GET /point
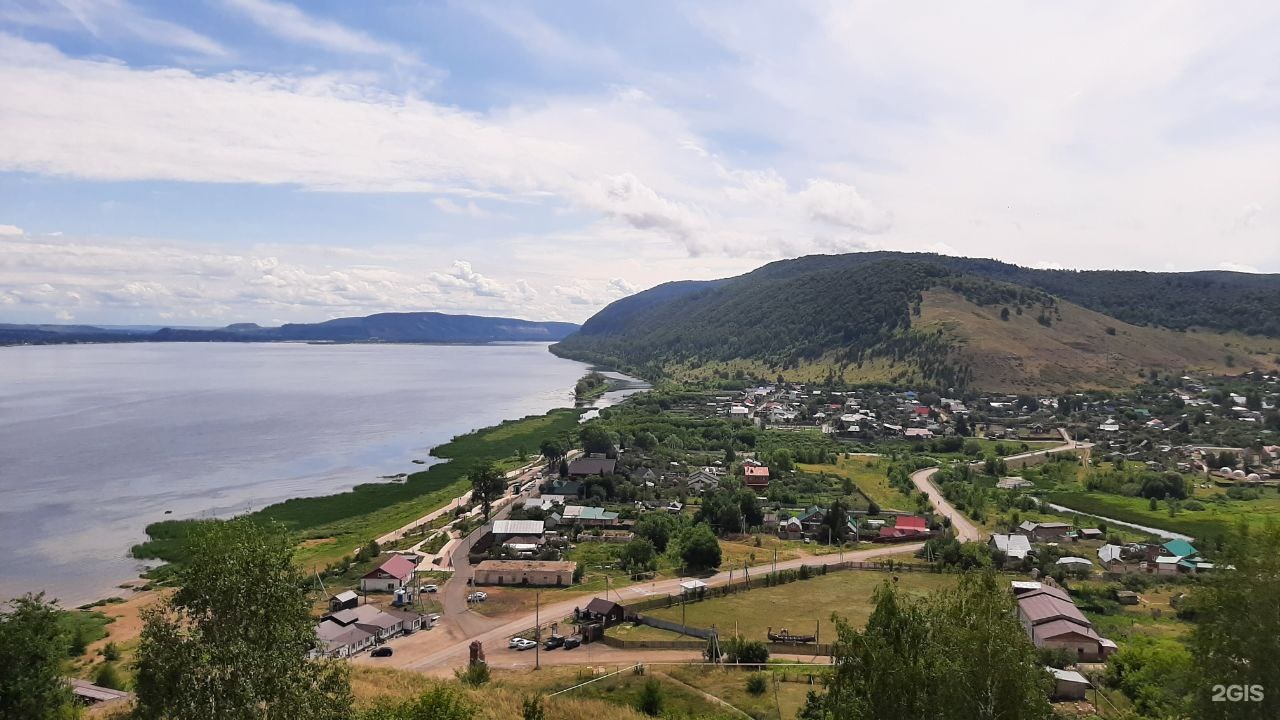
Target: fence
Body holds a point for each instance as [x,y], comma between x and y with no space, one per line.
[810,650]
[673,626]
[770,579]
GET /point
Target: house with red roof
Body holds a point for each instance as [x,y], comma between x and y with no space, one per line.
[395,573]
[905,527]
[756,477]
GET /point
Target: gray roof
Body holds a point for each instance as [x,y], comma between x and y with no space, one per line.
[1015,546]
[592,466]
[517,527]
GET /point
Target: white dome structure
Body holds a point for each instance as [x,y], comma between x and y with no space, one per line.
[1253,477]
[1237,474]
[1224,471]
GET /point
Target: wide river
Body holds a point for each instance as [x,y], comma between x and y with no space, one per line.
[96,441]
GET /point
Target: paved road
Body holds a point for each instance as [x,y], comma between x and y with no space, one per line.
[966,531]
[494,638]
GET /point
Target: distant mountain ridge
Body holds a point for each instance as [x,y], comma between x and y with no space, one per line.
[408,327]
[917,317]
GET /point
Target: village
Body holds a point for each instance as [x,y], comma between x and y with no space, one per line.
[797,501]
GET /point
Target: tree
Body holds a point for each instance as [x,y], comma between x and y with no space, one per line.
[552,449]
[646,440]
[108,676]
[638,555]
[729,456]
[969,635]
[487,484]
[657,527]
[836,521]
[872,508]
[440,703]
[596,439]
[232,642]
[33,650]
[699,549]
[650,702]
[1237,633]
[1004,314]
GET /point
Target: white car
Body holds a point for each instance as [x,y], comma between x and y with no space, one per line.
[478,596]
[429,589]
[519,643]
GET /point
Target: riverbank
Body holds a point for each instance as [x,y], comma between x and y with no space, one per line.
[328,527]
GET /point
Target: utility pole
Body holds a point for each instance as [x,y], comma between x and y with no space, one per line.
[775,561]
[537,630]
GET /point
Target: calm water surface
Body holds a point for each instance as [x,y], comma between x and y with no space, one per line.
[96,441]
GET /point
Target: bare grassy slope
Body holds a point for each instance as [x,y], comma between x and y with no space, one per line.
[1076,351]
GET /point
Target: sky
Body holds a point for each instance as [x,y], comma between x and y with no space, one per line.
[217,161]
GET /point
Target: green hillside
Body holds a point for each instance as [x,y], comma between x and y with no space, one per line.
[893,317]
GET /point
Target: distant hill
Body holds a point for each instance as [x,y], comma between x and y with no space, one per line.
[412,327]
[923,318]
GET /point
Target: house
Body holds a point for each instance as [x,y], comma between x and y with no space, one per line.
[592,465]
[1090,534]
[503,530]
[1068,684]
[1109,426]
[1052,620]
[339,641]
[588,516]
[1110,555]
[346,632]
[917,433]
[605,610]
[525,572]
[790,529]
[395,573]
[566,488]
[1044,531]
[756,477]
[701,481]
[343,600]
[1075,564]
[644,475]
[546,502]
[1014,483]
[1014,547]
[739,412]
[905,527]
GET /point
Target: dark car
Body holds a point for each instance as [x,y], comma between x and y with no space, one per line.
[553,642]
[571,643]
[381,652]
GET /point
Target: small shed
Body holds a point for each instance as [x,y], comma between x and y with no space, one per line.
[605,610]
[343,600]
[1068,684]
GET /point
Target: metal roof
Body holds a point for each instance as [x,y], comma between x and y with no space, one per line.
[517,527]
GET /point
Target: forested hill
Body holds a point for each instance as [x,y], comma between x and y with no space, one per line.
[871,317]
[412,327]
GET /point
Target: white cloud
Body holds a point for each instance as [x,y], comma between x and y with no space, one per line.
[10,230]
[1237,267]
[113,20]
[469,208]
[291,23]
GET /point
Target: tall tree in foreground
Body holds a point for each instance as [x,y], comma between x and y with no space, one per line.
[959,654]
[33,650]
[232,643]
[1237,635]
[487,484]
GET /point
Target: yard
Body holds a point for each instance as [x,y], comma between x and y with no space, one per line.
[870,475]
[1219,513]
[801,605]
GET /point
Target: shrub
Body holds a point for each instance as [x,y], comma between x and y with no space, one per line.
[650,702]
[108,677]
[756,684]
[473,675]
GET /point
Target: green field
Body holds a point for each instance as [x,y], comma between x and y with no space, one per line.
[343,521]
[1219,515]
[802,604]
[870,475]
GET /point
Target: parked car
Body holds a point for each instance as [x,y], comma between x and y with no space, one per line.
[429,589]
[434,618]
[524,644]
[571,643]
[553,642]
[383,651]
[478,596]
